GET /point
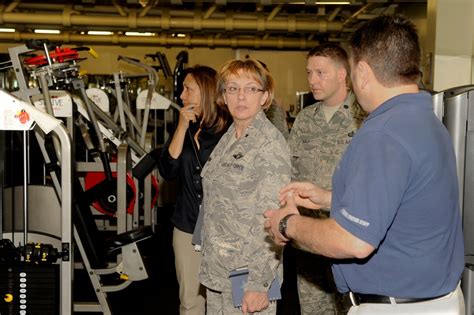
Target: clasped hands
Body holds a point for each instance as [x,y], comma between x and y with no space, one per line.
[291,196]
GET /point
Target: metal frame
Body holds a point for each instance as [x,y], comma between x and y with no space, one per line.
[66,264]
[459,120]
[129,263]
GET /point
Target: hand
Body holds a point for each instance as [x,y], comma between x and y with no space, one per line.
[254,302]
[274,217]
[307,195]
[188,113]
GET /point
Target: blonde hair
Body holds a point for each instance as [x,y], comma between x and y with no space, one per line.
[254,69]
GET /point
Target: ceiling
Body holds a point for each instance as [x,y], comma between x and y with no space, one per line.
[259,24]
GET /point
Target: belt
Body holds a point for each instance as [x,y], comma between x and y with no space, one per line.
[359,298]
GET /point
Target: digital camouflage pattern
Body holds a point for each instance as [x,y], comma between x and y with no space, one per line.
[316,148]
[219,303]
[316,286]
[241,180]
[277,116]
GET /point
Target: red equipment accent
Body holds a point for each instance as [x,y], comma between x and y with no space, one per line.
[155,190]
[58,55]
[93,178]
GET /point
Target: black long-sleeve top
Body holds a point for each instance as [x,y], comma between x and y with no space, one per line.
[188,171]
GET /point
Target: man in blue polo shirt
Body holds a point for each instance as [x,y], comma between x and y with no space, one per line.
[395,226]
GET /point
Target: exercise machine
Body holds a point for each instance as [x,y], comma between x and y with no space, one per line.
[455,108]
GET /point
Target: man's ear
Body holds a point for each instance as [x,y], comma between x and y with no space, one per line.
[342,74]
[365,72]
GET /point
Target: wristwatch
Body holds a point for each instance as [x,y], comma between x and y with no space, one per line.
[283,223]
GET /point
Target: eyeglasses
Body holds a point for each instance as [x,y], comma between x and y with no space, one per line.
[247,90]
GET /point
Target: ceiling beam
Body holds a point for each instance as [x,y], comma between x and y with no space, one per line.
[148,23]
[12,6]
[265,42]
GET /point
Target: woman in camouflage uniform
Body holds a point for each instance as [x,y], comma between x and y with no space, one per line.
[241,180]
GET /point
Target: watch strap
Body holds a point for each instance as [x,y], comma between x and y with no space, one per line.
[283,224]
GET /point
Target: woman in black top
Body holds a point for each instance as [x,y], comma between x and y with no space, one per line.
[201,124]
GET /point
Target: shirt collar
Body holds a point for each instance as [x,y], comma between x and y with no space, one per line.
[348,101]
[256,124]
[421,99]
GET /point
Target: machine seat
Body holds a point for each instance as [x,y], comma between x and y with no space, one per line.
[128,237]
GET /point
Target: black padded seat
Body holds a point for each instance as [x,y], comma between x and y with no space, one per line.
[128,237]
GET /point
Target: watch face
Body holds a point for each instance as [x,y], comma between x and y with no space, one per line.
[282,227]
[283,224]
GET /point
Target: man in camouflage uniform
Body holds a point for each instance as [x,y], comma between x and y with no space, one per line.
[277,115]
[319,137]
[241,180]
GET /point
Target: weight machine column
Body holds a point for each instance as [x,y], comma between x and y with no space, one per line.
[2,178]
[67,266]
[48,123]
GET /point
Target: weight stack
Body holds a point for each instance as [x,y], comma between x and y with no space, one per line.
[29,289]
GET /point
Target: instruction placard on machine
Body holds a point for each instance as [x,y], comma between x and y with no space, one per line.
[60,100]
[14,117]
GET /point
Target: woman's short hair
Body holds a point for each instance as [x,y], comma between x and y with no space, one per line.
[251,67]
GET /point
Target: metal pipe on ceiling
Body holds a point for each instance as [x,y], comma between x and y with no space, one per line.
[156,11]
[168,41]
[151,23]
[358,12]
[334,13]
[210,11]
[147,8]
[274,12]
[97,9]
[12,5]
[119,8]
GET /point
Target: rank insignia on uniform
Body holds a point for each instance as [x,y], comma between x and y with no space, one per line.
[238,156]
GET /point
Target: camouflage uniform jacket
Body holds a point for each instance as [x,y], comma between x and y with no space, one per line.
[241,181]
[317,146]
[277,116]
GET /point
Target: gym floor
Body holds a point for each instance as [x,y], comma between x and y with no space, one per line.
[159,293]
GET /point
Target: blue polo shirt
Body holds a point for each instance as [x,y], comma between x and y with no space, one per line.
[396,189]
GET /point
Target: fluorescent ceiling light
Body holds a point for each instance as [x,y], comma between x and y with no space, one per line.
[99,33]
[139,34]
[47,31]
[7,30]
[324,2]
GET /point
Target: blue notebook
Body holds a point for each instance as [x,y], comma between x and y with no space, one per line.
[238,278]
